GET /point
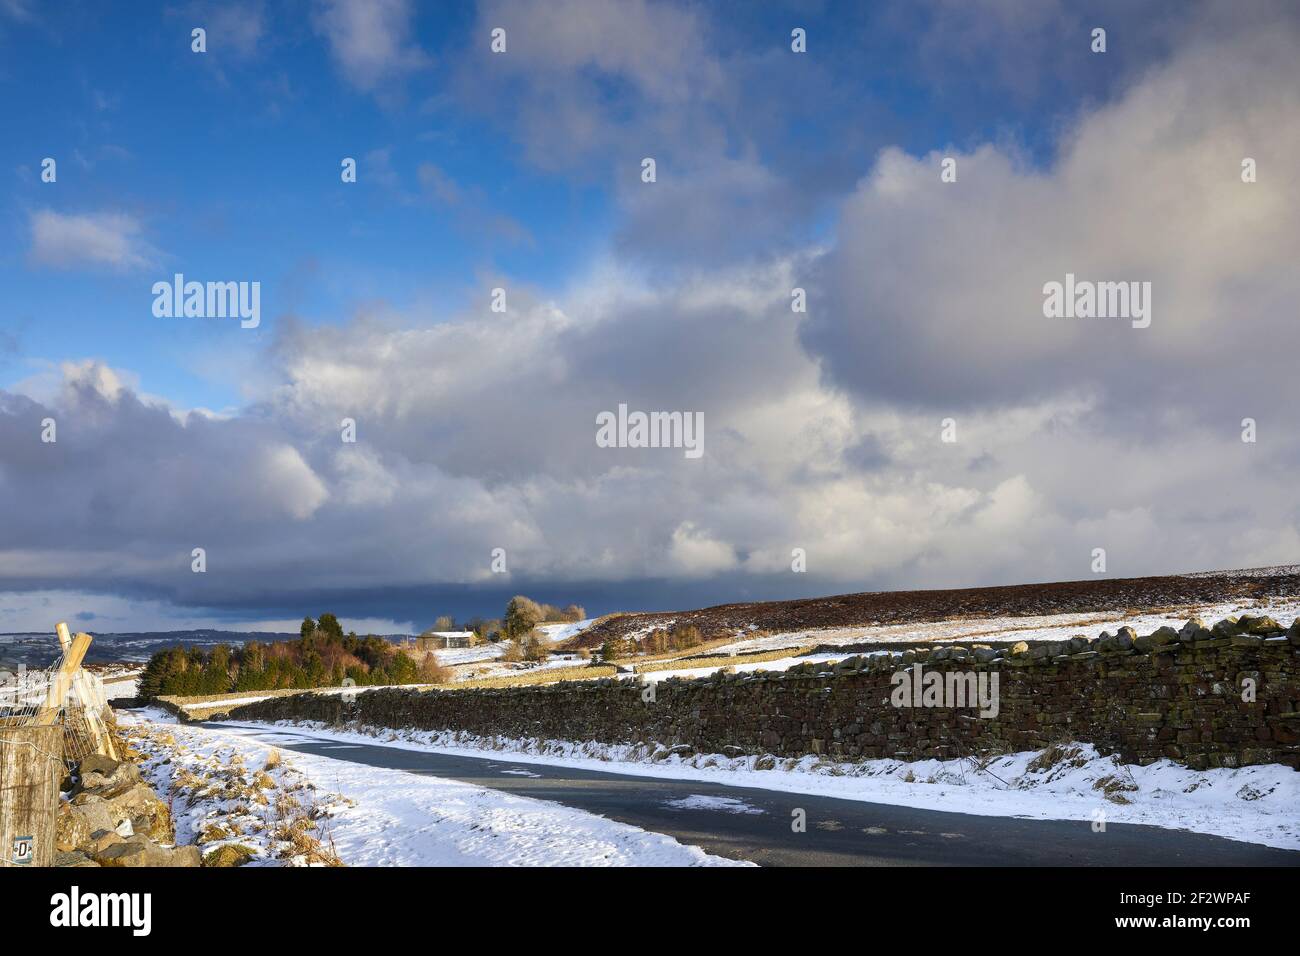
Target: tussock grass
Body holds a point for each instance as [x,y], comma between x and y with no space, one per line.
[238,813]
[678,654]
[550,676]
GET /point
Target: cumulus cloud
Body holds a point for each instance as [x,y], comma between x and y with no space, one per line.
[477,431]
[563,55]
[370,39]
[694,551]
[475,434]
[111,240]
[727,209]
[933,293]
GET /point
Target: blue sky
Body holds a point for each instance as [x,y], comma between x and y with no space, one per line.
[230,164]
[521,171]
[229,161]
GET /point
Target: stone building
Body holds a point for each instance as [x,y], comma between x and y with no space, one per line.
[442,640]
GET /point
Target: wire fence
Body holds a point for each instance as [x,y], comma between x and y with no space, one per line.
[57,696]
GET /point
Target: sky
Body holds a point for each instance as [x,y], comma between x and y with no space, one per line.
[921,423]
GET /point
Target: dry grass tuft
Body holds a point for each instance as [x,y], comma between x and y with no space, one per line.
[550,676]
[722,660]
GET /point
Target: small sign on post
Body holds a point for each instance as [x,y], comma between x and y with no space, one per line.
[24,850]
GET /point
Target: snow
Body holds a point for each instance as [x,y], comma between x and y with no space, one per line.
[470,655]
[1257,804]
[208,705]
[699,801]
[382,817]
[492,650]
[1281,570]
[229,702]
[562,632]
[780,664]
[121,688]
[1048,627]
[504,669]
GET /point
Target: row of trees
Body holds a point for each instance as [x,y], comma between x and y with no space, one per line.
[323,656]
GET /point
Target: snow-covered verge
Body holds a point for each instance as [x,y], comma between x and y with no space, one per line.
[371,816]
[241,807]
[1259,804]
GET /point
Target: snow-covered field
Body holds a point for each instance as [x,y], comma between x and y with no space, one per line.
[562,632]
[455,656]
[1051,627]
[1259,804]
[496,668]
[373,816]
[780,664]
[117,687]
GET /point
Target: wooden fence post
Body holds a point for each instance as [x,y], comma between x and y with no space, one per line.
[61,683]
[31,767]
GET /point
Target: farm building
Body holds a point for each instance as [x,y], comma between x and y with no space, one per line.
[442,640]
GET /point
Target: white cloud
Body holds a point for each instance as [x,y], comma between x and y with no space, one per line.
[562,58]
[944,281]
[370,39]
[695,552]
[97,239]
[286,481]
[476,432]
[237,27]
[363,479]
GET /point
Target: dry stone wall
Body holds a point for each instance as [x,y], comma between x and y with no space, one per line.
[1220,697]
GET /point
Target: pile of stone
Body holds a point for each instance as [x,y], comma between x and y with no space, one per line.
[111,817]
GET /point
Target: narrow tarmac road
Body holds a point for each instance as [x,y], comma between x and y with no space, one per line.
[751,824]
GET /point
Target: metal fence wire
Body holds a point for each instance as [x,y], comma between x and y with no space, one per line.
[75,702]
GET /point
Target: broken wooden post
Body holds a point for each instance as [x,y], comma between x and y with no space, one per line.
[94,716]
[62,681]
